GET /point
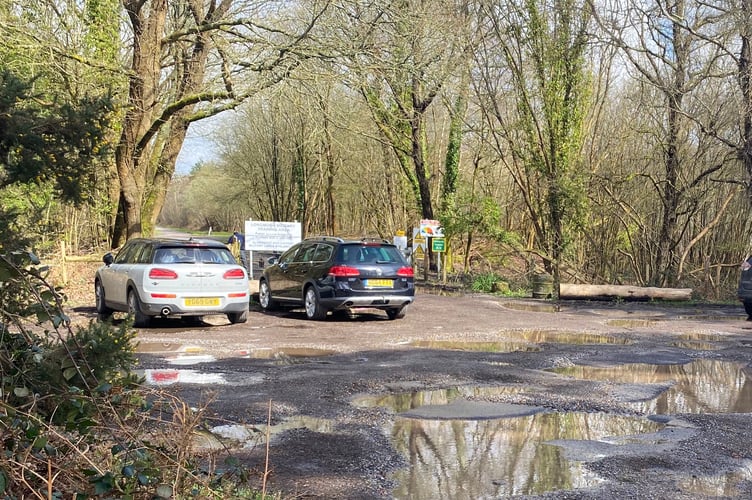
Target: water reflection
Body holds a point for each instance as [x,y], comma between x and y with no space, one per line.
[170,377]
[564,337]
[702,386]
[632,323]
[722,485]
[288,352]
[404,401]
[530,307]
[525,340]
[501,457]
[477,346]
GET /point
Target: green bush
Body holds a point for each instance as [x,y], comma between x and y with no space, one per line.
[75,422]
[485,282]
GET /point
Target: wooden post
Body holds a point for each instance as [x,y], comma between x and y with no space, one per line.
[63,259]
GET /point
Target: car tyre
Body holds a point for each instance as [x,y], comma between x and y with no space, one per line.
[313,307]
[103,312]
[140,319]
[748,309]
[396,313]
[265,296]
[240,317]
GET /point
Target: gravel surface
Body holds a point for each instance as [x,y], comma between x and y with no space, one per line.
[476,396]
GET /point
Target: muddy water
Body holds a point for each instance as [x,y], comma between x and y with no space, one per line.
[702,386]
[459,446]
[500,457]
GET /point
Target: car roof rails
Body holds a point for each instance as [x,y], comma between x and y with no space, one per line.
[325,238]
[375,240]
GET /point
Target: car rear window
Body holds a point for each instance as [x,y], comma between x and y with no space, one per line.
[191,255]
[369,254]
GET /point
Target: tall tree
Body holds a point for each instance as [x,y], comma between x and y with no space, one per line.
[544,45]
[190,60]
[403,55]
[660,40]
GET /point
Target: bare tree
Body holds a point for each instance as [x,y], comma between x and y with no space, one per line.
[189,60]
[660,40]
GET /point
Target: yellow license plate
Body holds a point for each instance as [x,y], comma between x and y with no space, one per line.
[201,301]
[378,283]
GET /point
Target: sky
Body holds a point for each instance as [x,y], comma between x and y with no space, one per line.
[198,145]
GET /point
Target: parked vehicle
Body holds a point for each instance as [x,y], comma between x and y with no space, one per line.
[326,274]
[168,277]
[745,287]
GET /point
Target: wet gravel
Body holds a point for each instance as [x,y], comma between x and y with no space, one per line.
[340,450]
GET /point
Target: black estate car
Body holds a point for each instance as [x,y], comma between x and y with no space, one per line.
[326,274]
[745,287]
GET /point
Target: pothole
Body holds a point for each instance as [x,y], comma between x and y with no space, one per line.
[169,377]
[632,323]
[530,307]
[288,352]
[567,337]
[502,457]
[524,341]
[511,346]
[702,386]
[405,401]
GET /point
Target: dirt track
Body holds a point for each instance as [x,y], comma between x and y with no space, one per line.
[480,397]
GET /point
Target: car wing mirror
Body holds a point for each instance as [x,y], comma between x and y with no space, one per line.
[108,259]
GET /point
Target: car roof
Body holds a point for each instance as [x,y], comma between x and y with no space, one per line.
[363,241]
[185,242]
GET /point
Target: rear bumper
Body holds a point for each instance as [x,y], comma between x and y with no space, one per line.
[176,309]
[371,301]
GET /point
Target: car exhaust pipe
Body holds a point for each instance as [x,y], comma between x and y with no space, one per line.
[165,311]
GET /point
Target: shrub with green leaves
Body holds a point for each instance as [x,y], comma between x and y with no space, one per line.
[75,422]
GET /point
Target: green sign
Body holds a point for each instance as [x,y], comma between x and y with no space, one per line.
[438,244]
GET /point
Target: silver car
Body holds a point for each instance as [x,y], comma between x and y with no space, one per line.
[168,277]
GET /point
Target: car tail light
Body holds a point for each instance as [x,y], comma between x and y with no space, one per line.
[746,265]
[163,296]
[343,271]
[234,274]
[162,274]
[236,295]
[405,272]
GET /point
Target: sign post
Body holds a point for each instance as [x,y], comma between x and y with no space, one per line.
[270,237]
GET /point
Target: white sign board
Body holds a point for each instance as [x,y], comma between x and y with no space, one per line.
[271,236]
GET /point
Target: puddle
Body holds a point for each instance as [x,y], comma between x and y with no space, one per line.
[702,386]
[717,486]
[500,457]
[169,377]
[696,345]
[190,359]
[530,307]
[157,347]
[405,401]
[451,345]
[632,323]
[575,338]
[460,448]
[288,352]
[699,341]
[249,437]
[525,341]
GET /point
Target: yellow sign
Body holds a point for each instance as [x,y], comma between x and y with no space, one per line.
[419,254]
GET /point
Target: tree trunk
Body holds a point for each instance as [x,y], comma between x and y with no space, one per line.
[579,291]
[745,82]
